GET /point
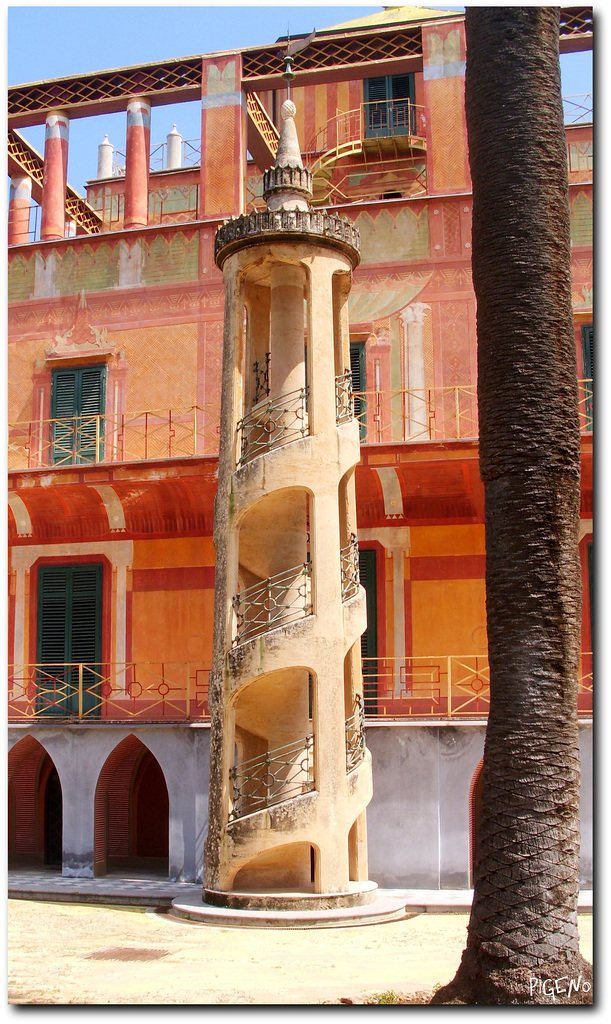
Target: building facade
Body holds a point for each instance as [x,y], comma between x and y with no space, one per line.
[115,316]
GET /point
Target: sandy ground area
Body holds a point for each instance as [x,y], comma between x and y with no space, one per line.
[79,954]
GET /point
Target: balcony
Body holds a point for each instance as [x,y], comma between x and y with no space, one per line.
[444,687]
[385,417]
[278,775]
[153,434]
[165,691]
[384,142]
[430,687]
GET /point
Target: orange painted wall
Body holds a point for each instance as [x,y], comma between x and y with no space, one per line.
[448,614]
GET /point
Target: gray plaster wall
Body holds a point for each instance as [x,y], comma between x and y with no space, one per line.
[79,754]
[417,821]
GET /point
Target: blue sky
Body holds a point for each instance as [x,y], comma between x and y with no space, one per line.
[49,42]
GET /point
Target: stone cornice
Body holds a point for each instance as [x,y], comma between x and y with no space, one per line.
[306,225]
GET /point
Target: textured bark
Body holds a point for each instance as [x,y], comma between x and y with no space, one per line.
[523,923]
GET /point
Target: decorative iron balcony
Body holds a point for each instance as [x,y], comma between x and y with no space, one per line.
[270,778]
[349,558]
[273,424]
[446,686]
[276,601]
[344,405]
[153,434]
[122,691]
[355,735]
[261,371]
[427,414]
[434,414]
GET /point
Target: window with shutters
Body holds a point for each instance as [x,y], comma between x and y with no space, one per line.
[69,636]
[369,639]
[359,385]
[389,106]
[587,345]
[78,396]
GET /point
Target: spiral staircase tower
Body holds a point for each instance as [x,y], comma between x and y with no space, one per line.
[290,775]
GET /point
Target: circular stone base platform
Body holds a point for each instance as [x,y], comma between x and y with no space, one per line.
[359,894]
[383,908]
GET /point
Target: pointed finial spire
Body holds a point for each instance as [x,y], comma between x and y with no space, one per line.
[288,185]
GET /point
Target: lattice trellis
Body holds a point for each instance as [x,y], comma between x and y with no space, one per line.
[334,52]
[119,83]
[576,21]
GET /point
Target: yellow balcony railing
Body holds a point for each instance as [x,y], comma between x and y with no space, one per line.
[385,417]
[123,691]
[153,434]
[434,414]
[447,686]
[444,687]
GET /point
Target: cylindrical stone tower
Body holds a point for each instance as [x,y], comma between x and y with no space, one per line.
[55,176]
[290,776]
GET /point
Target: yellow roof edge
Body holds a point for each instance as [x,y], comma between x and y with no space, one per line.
[394,16]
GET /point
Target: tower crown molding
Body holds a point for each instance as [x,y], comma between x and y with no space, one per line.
[317,226]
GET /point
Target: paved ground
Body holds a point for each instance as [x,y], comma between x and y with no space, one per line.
[101,955]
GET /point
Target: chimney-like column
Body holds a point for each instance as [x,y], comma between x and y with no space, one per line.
[137,160]
[55,176]
[105,156]
[19,203]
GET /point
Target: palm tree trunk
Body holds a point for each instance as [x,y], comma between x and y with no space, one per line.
[522,934]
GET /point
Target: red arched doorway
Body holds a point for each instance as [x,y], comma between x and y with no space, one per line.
[475,810]
[131,813]
[34,807]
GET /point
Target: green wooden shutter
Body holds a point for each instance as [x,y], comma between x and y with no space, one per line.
[376,109]
[78,398]
[64,399]
[92,402]
[359,383]
[69,631]
[402,92]
[389,103]
[369,639]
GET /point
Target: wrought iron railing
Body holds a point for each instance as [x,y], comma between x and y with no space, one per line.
[398,688]
[433,414]
[191,155]
[385,119]
[121,691]
[263,121]
[344,405]
[260,369]
[355,735]
[578,109]
[273,424]
[270,778]
[153,434]
[448,686]
[349,560]
[275,601]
